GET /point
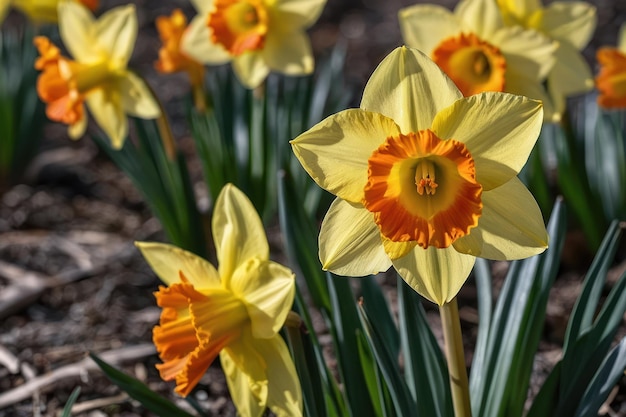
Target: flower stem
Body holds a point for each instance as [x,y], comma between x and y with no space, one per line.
[459,386]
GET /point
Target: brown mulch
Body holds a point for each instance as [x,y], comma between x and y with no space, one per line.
[71,281]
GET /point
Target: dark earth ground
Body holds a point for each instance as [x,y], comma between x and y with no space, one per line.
[66,238]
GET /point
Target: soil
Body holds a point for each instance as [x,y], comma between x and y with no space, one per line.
[71,281]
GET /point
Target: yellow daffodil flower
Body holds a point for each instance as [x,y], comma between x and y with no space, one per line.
[571,23]
[425,178]
[41,11]
[475,49]
[611,81]
[98,76]
[258,36]
[235,311]
[171,58]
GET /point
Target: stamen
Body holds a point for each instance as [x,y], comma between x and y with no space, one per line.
[425,178]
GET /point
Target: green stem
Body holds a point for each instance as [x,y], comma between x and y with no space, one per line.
[451,324]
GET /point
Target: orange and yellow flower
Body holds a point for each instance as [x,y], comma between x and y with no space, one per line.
[98,76]
[425,179]
[171,58]
[475,49]
[258,36]
[235,312]
[571,24]
[611,81]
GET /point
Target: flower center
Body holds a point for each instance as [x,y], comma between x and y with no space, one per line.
[239,25]
[423,189]
[64,83]
[473,64]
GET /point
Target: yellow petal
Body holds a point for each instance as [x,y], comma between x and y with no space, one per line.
[520,8]
[522,86]
[251,69]
[499,130]
[572,22]
[237,232]
[106,107]
[243,352]
[436,274]
[300,13]
[409,88]
[335,151]
[482,16]
[267,289]
[424,26]
[285,395]
[527,52]
[196,42]
[511,225]
[570,74]
[167,261]
[288,53]
[245,401]
[77,29]
[350,242]
[77,130]
[137,98]
[117,31]
[203,7]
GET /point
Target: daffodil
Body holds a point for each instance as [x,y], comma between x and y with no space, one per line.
[425,178]
[235,312]
[475,49]
[171,58]
[99,74]
[41,11]
[571,23]
[258,36]
[611,81]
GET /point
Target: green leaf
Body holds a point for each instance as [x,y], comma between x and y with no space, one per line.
[499,387]
[140,391]
[388,365]
[609,374]
[425,368]
[67,410]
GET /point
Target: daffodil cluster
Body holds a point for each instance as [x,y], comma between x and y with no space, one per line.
[257,36]
[98,75]
[425,178]
[513,46]
[234,311]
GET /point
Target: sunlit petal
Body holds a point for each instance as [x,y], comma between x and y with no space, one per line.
[572,22]
[251,69]
[106,107]
[483,16]
[409,88]
[137,98]
[76,26]
[116,31]
[301,13]
[423,26]
[436,274]
[268,290]
[196,42]
[571,74]
[239,387]
[350,242]
[499,130]
[167,261]
[290,54]
[237,232]
[285,395]
[511,226]
[527,52]
[335,151]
